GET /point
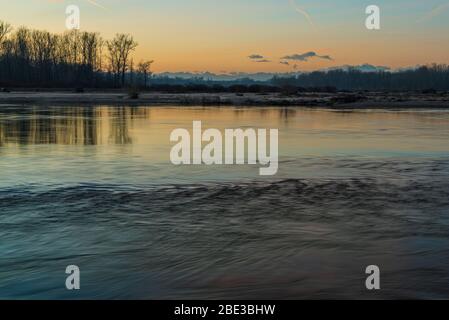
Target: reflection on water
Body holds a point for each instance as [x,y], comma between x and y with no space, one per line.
[69,125]
[93,186]
[84,126]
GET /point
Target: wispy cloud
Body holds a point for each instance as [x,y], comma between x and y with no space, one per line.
[302,12]
[95,3]
[258,58]
[438,10]
[255,56]
[306,56]
[92,2]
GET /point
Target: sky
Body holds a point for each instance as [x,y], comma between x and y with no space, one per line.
[224,36]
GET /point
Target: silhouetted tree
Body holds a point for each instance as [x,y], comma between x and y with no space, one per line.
[43,59]
[5,28]
[119,50]
[435,76]
[144,70]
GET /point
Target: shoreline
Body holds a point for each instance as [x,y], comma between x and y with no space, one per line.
[338,100]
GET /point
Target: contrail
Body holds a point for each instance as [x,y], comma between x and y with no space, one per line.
[301,11]
[92,2]
[435,12]
[96,4]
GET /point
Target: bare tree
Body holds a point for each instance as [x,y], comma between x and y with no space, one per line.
[119,51]
[144,69]
[131,72]
[5,28]
[40,58]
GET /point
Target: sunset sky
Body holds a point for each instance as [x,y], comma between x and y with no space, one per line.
[219,36]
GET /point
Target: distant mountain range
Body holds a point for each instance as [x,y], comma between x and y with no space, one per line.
[362,68]
[259,76]
[265,76]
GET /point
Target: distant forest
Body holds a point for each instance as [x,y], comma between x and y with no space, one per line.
[75,59]
[424,78]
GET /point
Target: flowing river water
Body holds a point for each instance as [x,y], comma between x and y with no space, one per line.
[94,187]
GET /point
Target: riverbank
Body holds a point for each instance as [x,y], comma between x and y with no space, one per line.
[339,100]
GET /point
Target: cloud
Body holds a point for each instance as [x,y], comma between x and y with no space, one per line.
[284,62]
[256,57]
[435,12]
[306,56]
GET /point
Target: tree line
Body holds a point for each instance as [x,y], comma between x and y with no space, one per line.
[426,79]
[35,58]
[423,78]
